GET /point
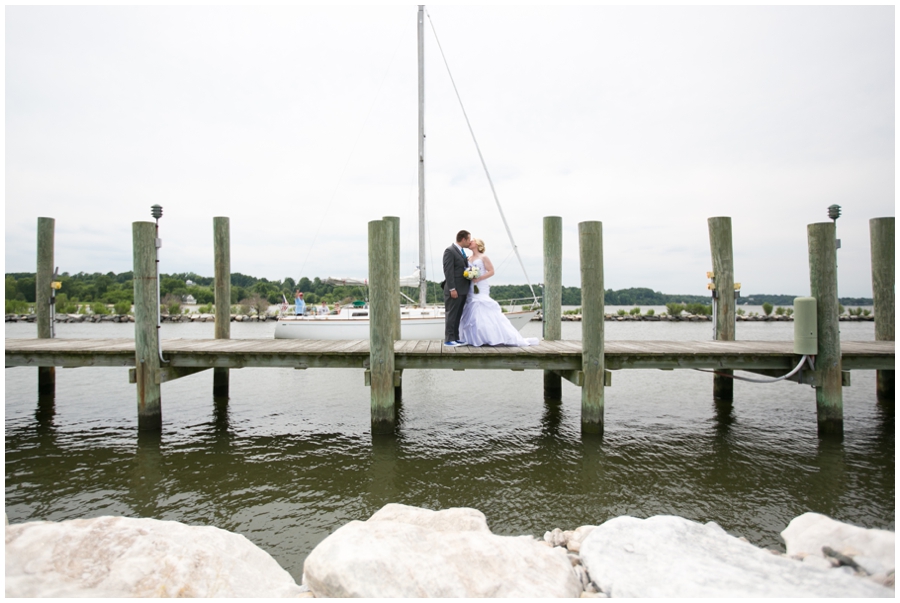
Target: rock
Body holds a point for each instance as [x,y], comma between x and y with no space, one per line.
[666,556]
[457,519]
[574,542]
[409,552]
[555,538]
[872,549]
[126,557]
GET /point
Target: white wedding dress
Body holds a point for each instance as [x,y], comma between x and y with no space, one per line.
[482,321]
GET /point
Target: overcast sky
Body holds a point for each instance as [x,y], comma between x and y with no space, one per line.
[300,124]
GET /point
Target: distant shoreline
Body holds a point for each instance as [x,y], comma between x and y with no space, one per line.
[192,318]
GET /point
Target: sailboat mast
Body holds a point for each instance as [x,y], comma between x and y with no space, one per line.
[423,288]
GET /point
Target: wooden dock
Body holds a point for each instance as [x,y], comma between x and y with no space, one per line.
[563,355]
[587,363]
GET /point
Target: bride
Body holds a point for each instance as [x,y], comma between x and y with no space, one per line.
[482,321]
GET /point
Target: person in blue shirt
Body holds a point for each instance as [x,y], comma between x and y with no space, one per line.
[299,304]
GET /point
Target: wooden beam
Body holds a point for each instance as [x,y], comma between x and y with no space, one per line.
[551,305]
[720,245]
[590,236]
[823,286]
[146,342]
[881,235]
[222,257]
[381,326]
[42,297]
[167,373]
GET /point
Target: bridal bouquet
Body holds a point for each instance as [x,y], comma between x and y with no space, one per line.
[472,272]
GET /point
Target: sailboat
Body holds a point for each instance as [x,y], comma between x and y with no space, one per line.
[419,322]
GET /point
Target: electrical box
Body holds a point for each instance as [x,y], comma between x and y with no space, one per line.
[806,340]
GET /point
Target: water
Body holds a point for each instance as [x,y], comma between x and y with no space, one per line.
[289,458]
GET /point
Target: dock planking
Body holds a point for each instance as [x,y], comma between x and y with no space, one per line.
[548,355]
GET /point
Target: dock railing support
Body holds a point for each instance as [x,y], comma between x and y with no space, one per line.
[222,254]
[551,306]
[881,233]
[395,288]
[823,287]
[381,326]
[146,337]
[43,278]
[590,237]
[720,245]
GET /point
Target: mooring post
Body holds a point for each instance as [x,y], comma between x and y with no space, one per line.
[551,308]
[395,289]
[381,325]
[823,287]
[146,336]
[590,235]
[720,246]
[881,233]
[43,278]
[222,255]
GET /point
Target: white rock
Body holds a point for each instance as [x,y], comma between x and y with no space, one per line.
[409,552]
[456,519]
[667,556]
[872,549]
[577,537]
[556,538]
[125,557]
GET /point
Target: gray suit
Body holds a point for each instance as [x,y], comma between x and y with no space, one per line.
[454,266]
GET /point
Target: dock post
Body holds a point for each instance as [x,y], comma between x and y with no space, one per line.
[42,297]
[552,302]
[146,337]
[395,287]
[381,326]
[590,235]
[720,245]
[823,287]
[881,233]
[222,254]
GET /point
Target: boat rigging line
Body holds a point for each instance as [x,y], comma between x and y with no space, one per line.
[481,157]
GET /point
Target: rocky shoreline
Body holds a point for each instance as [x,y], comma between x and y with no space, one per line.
[175,318]
[404,551]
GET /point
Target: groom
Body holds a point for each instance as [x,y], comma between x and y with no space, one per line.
[456,287]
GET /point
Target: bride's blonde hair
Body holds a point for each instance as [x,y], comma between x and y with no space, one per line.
[480,245]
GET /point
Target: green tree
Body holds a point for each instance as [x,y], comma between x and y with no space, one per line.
[767,308]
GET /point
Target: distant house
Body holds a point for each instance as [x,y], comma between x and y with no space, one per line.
[188,283]
[188,299]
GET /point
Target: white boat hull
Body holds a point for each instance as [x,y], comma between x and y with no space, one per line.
[345,327]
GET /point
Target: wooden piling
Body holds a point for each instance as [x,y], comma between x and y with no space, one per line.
[43,278]
[823,286]
[551,307]
[146,341]
[222,255]
[395,287]
[720,245]
[881,233]
[381,325]
[590,235]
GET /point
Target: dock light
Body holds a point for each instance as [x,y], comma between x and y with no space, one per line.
[834,212]
[156,211]
[56,285]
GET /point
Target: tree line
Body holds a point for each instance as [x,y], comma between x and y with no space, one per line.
[118,289]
